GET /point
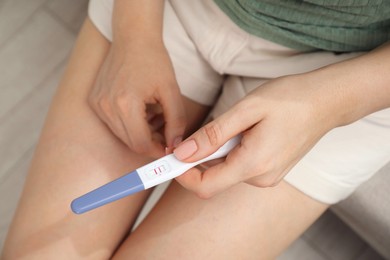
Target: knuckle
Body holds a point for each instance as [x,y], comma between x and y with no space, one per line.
[263,167]
[274,183]
[213,133]
[139,147]
[258,169]
[262,174]
[104,105]
[266,181]
[122,102]
[204,195]
[243,106]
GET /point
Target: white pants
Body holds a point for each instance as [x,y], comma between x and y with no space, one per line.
[211,54]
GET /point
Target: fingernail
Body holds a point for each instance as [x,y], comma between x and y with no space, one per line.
[177,141]
[185,150]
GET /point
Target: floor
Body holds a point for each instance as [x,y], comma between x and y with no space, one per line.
[36,37]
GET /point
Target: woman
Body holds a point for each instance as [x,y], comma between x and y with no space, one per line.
[136,87]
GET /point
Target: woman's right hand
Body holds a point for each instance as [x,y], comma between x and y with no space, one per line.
[136,95]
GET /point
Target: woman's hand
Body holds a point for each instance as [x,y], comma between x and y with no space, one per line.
[280,121]
[137,96]
[283,119]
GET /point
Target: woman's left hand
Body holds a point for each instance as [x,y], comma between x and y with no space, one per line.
[280,122]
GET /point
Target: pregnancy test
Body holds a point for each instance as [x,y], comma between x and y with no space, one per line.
[145,177]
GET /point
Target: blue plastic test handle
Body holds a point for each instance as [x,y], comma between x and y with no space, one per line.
[112,191]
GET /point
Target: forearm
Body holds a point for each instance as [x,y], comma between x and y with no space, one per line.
[138,22]
[354,88]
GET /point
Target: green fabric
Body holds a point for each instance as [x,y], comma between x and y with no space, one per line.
[306,25]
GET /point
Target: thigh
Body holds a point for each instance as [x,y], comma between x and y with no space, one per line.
[244,222]
[75,154]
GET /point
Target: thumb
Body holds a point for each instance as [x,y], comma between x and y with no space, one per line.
[210,137]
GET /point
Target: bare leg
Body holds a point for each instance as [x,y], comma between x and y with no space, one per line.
[76,153]
[244,222]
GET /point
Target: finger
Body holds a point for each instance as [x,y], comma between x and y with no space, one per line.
[174,115]
[212,163]
[191,179]
[157,137]
[212,136]
[117,127]
[156,123]
[153,110]
[271,178]
[104,111]
[214,180]
[133,117]
[265,180]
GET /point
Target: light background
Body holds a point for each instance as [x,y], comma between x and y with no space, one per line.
[36,37]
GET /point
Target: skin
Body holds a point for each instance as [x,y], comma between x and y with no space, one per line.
[138,58]
[70,161]
[76,153]
[312,103]
[243,221]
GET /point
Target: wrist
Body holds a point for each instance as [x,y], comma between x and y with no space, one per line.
[137,22]
[354,88]
[329,98]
